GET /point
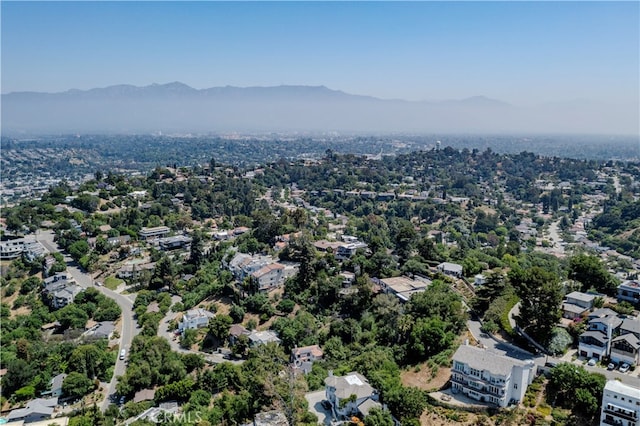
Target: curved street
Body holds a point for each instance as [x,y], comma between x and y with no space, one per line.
[125,302]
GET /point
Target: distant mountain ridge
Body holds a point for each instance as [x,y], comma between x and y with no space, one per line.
[177,88]
[178,107]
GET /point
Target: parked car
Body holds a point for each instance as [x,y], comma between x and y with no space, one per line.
[592,362]
[624,368]
[611,366]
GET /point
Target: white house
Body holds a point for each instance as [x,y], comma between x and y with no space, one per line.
[350,395]
[11,249]
[257,338]
[243,265]
[489,377]
[269,276]
[195,318]
[404,287]
[620,404]
[596,341]
[451,269]
[625,348]
[155,232]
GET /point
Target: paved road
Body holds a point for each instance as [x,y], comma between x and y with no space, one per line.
[129,325]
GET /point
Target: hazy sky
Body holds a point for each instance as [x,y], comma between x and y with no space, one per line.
[520,52]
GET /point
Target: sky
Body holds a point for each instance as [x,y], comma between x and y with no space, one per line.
[524,53]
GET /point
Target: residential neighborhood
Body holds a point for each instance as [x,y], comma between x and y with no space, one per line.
[462,297]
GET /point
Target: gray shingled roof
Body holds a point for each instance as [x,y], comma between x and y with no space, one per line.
[353,383]
[632,325]
[630,338]
[578,295]
[610,322]
[482,359]
[597,335]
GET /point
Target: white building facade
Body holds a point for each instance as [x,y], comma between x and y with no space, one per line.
[620,404]
[489,377]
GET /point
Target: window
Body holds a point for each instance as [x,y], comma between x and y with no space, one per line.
[515,386]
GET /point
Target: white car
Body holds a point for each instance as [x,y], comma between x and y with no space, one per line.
[624,368]
[592,362]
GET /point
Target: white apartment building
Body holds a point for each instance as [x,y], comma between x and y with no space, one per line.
[489,377]
[620,404]
[155,232]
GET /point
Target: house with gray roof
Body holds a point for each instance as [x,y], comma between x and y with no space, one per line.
[451,269]
[258,338]
[490,377]
[577,304]
[350,395]
[102,330]
[596,341]
[602,312]
[631,325]
[55,386]
[60,290]
[625,348]
[629,291]
[36,410]
[404,287]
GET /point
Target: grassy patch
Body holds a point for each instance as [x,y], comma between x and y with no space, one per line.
[112,282]
[544,409]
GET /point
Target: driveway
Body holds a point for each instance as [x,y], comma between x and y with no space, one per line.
[315,406]
[499,346]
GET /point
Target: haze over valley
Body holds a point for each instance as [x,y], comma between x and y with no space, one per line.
[177,107]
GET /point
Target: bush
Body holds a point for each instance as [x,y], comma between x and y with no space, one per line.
[560,341]
[286,306]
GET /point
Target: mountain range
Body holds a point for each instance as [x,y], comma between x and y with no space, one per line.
[177,107]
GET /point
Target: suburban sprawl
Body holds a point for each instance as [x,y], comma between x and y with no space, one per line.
[319,280]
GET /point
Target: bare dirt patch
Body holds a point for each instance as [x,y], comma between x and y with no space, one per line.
[422,377]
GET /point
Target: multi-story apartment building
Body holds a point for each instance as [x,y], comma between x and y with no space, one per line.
[155,232]
[620,404]
[489,377]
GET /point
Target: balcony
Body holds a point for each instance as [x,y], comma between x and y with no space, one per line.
[620,412]
[479,388]
[489,380]
[612,422]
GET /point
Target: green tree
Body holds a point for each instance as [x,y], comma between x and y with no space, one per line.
[378,417]
[76,385]
[540,298]
[591,272]
[219,327]
[72,316]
